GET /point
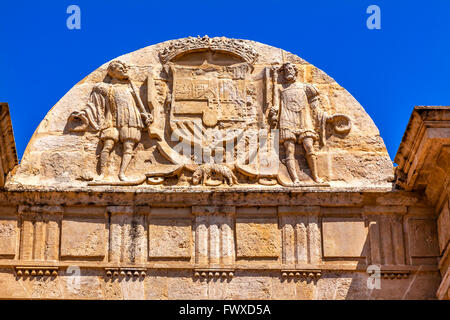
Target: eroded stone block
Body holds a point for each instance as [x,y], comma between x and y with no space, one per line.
[444,228]
[423,239]
[344,237]
[83,237]
[258,238]
[170,238]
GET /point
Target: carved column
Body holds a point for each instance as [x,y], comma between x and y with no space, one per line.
[137,238]
[39,238]
[117,226]
[53,227]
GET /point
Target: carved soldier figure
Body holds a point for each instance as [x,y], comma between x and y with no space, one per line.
[292,111]
[116,110]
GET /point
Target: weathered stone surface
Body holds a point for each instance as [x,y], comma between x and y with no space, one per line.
[423,164]
[344,238]
[156,84]
[443,224]
[104,205]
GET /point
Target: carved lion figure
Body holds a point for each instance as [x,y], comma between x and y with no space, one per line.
[204,171]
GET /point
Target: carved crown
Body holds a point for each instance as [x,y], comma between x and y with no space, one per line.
[235,46]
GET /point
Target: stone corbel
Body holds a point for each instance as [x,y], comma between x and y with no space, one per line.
[36,272]
[395,274]
[125,273]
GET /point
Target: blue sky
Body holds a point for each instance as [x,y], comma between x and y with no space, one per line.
[388,71]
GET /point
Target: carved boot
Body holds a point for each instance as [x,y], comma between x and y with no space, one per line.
[290,164]
[124,165]
[312,163]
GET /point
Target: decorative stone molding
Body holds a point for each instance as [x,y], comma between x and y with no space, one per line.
[254,115]
[40,232]
[427,131]
[33,272]
[322,206]
[39,209]
[423,160]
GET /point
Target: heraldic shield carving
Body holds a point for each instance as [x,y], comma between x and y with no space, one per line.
[213,112]
[216,117]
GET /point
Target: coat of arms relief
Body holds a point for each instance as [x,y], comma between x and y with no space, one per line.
[217,117]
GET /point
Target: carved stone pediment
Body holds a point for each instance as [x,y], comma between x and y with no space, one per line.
[238,47]
[207,113]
